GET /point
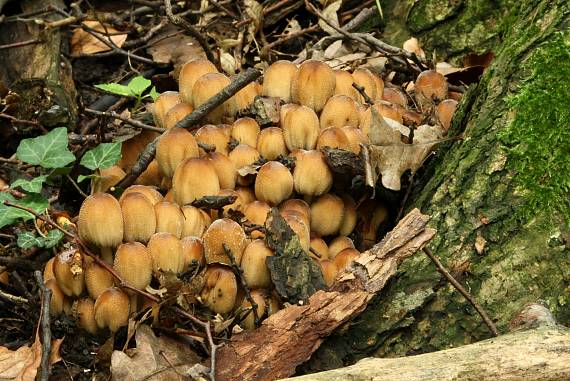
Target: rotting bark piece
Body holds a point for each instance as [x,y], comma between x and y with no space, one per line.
[295,276]
[289,337]
[390,157]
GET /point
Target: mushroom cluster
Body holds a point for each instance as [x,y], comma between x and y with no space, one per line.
[154,229]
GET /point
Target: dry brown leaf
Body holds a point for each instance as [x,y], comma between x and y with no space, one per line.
[330,13]
[21,364]
[390,157]
[154,359]
[169,46]
[83,42]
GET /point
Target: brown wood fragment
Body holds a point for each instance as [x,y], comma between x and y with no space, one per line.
[289,337]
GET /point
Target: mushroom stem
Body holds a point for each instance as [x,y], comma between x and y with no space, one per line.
[107,255]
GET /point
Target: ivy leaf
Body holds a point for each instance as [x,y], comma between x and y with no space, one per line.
[34,201]
[8,214]
[34,185]
[115,88]
[52,238]
[49,151]
[82,178]
[103,156]
[27,240]
[138,85]
[153,94]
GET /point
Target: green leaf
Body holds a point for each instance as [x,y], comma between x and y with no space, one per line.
[49,151]
[103,156]
[82,178]
[34,185]
[27,240]
[52,238]
[34,201]
[154,94]
[60,171]
[8,214]
[138,85]
[116,88]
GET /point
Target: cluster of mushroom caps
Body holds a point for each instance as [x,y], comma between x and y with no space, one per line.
[144,233]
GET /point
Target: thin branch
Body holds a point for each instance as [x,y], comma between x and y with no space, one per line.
[45,327]
[190,121]
[486,319]
[362,92]
[13,298]
[179,21]
[267,48]
[132,122]
[21,43]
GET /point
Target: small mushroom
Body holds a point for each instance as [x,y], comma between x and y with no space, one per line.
[300,128]
[220,232]
[277,80]
[166,252]
[193,179]
[274,183]
[220,289]
[271,143]
[138,216]
[327,213]
[313,84]
[254,266]
[339,111]
[189,74]
[169,218]
[112,309]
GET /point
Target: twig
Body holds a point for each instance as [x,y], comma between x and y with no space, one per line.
[362,92]
[488,322]
[190,121]
[179,21]
[132,122]
[19,121]
[18,263]
[265,51]
[45,329]
[241,278]
[406,196]
[74,184]
[13,298]
[21,43]
[150,34]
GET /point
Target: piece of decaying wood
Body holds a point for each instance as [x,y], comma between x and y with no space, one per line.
[538,354]
[289,337]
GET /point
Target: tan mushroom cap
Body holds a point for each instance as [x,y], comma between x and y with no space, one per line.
[350,216]
[319,246]
[69,273]
[207,86]
[151,175]
[277,80]
[86,315]
[193,179]
[343,259]
[174,146]
[59,303]
[97,279]
[165,101]
[256,212]
[225,169]
[343,84]
[274,183]
[254,266]
[220,232]
[245,97]
[313,85]
[329,270]
[138,216]
[176,114]
[333,137]
[260,298]
[166,252]
[189,74]
[194,223]
[220,289]
[300,128]
[339,244]
[133,263]
[112,309]
[312,176]
[245,131]
[364,77]
[339,111]
[300,228]
[193,251]
[214,136]
[271,143]
[169,218]
[327,213]
[430,86]
[299,206]
[100,221]
[149,192]
[445,111]
[108,177]
[395,96]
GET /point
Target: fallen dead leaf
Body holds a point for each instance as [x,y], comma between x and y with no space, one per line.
[83,42]
[23,363]
[154,359]
[171,45]
[330,13]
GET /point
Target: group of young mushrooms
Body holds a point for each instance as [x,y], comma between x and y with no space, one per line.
[153,229]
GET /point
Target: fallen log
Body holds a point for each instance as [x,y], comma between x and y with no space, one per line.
[288,338]
[538,354]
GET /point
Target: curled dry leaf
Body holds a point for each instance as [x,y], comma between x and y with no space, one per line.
[154,359]
[330,13]
[390,157]
[83,42]
[172,46]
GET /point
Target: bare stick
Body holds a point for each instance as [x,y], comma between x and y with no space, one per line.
[179,21]
[21,43]
[45,327]
[132,122]
[362,92]
[267,48]
[190,121]
[488,322]
[12,298]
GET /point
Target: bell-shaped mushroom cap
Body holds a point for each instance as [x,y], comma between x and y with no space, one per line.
[86,315]
[174,146]
[189,74]
[100,221]
[387,110]
[220,289]
[245,97]
[339,244]
[277,80]
[112,309]
[169,218]
[108,177]
[133,263]
[166,252]
[220,232]
[138,216]
[193,251]
[312,176]
[327,213]
[313,85]
[48,270]
[132,148]
[319,246]
[225,169]
[350,216]
[330,270]
[333,137]
[149,192]
[245,131]
[243,155]
[299,206]
[97,279]
[246,194]
[343,84]
[300,128]
[254,266]
[260,297]
[59,303]
[274,183]
[206,87]
[68,271]
[194,179]
[394,96]
[163,103]
[430,86]
[271,143]
[339,111]
[194,223]
[444,112]
[343,259]
[355,138]
[256,212]
[364,77]
[176,114]
[214,136]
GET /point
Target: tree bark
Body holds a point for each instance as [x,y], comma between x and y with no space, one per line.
[503,249]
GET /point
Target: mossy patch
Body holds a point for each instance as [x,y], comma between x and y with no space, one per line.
[538,138]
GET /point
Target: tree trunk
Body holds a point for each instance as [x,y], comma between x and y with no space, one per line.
[498,199]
